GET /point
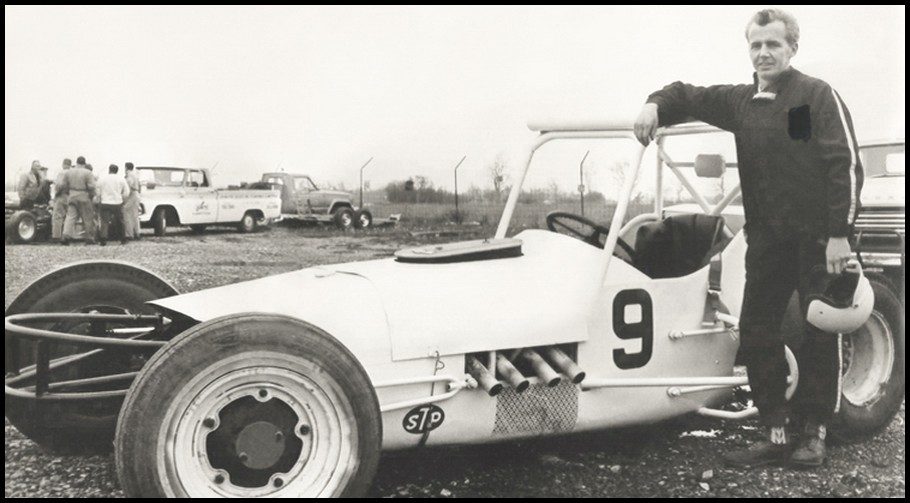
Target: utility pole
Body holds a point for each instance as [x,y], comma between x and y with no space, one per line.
[361,181]
[456,185]
[581,181]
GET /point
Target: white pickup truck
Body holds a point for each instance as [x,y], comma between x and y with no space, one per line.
[185,196]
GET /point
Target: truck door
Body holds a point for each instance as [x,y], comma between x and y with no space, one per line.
[201,201]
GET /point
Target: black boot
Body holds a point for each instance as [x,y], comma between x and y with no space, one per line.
[810,450]
[763,452]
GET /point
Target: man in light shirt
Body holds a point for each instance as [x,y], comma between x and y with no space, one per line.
[112,190]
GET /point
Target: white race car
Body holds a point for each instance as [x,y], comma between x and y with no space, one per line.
[269,388]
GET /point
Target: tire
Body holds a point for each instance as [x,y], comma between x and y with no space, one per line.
[159,221]
[71,426]
[287,377]
[363,219]
[198,228]
[343,217]
[22,227]
[247,223]
[873,375]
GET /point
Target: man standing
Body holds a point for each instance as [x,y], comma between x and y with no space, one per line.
[801,180]
[29,186]
[112,191]
[59,215]
[79,184]
[131,205]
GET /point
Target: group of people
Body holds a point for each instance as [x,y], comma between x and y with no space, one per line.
[111,199]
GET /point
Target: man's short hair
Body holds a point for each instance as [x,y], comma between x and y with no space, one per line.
[67,162]
[129,166]
[113,169]
[766,16]
[80,161]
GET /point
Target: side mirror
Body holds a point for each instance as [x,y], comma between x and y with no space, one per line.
[709,165]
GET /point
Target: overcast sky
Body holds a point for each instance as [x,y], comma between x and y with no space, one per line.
[322,89]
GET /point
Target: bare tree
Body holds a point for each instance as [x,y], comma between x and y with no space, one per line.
[497,171]
[421,183]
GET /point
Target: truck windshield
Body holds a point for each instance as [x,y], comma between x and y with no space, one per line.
[165,177]
[304,183]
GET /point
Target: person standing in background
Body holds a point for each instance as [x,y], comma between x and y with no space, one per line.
[60,199]
[131,205]
[112,191]
[79,185]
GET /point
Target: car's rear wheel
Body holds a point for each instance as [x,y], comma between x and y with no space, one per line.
[250,405]
[22,227]
[873,381]
[343,217]
[159,221]
[103,287]
[247,223]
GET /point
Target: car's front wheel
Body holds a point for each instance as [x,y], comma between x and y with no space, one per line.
[250,405]
[873,381]
[22,227]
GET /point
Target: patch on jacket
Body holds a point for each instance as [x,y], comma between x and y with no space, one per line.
[800,125]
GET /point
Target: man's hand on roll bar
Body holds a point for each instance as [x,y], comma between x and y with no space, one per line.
[646,124]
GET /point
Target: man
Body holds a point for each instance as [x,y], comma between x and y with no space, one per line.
[131,205]
[59,215]
[29,186]
[79,184]
[801,180]
[112,191]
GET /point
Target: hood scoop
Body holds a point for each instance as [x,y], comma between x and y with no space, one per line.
[464,251]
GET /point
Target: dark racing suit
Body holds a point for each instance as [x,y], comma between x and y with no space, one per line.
[801,178]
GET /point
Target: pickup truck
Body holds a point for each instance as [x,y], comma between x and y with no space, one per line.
[301,199]
[185,196]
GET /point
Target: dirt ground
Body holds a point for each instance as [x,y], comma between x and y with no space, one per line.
[678,458]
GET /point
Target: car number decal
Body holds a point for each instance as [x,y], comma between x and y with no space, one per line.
[423,419]
[633,318]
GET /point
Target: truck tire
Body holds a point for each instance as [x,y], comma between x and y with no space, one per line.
[113,287]
[343,217]
[247,223]
[873,373]
[363,219]
[293,401]
[159,221]
[22,227]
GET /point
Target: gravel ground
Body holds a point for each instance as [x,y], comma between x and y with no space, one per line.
[678,458]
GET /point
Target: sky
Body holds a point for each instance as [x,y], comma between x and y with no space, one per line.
[320,90]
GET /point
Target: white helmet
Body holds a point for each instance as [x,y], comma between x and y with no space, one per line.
[841,303]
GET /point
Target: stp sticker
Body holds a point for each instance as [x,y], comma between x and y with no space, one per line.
[423,419]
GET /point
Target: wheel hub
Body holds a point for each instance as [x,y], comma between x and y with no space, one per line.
[868,357]
[26,229]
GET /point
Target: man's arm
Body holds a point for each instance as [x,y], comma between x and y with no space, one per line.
[679,102]
[838,150]
[124,189]
[90,185]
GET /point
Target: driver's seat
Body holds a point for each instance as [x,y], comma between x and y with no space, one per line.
[678,245]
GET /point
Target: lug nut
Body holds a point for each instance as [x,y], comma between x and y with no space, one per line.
[219,479]
[208,422]
[263,393]
[279,436]
[278,482]
[305,430]
[243,457]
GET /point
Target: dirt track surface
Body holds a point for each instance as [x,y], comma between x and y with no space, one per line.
[679,458]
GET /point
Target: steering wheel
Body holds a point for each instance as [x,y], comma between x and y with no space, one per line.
[557,221]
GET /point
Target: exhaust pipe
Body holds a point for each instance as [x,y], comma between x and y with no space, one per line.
[511,374]
[564,364]
[484,377]
[544,371]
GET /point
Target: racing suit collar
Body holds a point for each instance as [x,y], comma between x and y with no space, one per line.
[775,87]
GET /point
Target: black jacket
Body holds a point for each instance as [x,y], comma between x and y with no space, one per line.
[797,153]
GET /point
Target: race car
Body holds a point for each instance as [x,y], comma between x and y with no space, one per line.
[267,388]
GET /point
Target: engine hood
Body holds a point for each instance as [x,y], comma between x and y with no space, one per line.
[883,191]
[416,310]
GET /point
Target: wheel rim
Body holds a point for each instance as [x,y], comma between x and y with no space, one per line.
[364,221]
[238,404]
[248,221]
[868,359]
[346,220]
[26,229]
